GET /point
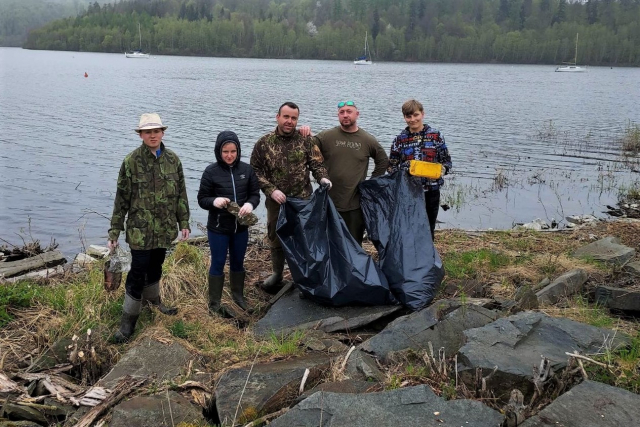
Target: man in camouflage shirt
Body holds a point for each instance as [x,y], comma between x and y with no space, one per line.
[152,195]
[282,160]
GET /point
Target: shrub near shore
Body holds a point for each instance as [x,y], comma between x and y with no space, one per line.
[34,315]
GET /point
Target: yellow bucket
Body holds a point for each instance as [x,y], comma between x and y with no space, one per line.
[425,169]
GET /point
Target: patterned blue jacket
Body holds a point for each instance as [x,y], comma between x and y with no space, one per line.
[427,145]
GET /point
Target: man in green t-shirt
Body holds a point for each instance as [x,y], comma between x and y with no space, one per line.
[346,150]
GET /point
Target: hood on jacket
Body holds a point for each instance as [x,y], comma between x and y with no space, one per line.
[224,137]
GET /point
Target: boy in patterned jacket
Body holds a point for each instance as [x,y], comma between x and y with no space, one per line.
[419,141]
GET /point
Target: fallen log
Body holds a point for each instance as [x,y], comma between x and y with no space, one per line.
[45,260]
[124,387]
[40,274]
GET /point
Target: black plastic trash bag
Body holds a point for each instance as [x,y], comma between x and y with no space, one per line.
[396,220]
[326,263]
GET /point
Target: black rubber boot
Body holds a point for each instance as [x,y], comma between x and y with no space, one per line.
[151,293]
[130,312]
[216,283]
[274,283]
[236,282]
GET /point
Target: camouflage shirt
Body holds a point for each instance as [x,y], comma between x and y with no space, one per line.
[152,191]
[283,163]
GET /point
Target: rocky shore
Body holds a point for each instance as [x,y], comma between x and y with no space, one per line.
[531,328]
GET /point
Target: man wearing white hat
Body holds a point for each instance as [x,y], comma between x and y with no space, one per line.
[152,195]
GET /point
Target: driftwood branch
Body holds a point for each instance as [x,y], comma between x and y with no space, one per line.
[124,387]
[588,359]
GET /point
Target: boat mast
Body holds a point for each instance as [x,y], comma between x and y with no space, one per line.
[140,35]
[365,45]
[575,58]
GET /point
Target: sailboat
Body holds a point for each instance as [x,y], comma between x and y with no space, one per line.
[572,67]
[137,53]
[366,58]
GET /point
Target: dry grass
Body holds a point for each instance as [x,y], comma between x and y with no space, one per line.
[500,261]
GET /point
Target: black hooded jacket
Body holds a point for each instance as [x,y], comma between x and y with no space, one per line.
[237,182]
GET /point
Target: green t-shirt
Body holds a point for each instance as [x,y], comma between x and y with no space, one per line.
[346,157]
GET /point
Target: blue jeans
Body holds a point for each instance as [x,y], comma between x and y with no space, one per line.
[235,244]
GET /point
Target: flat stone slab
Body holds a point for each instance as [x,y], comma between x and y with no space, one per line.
[442,324]
[269,388]
[407,407]
[608,250]
[632,268]
[568,284]
[618,298]
[346,386]
[590,404]
[164,410]
[516,343]
[150,357]
[291,313]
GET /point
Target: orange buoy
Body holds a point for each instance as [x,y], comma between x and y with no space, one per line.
[85,74]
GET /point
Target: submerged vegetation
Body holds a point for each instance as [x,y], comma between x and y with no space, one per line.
[502,31]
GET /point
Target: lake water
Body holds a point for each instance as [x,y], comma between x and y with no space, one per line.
[551,139]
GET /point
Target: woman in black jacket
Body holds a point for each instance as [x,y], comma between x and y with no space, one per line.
[228,180]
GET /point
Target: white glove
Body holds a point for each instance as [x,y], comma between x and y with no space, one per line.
[220,202]
[325,181]
[246,209]
[112,244]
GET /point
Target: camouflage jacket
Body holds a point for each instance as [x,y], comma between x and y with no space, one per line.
[152,194]
[283,163]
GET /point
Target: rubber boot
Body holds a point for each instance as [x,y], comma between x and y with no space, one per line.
[236,282]
[216,283]
[130,311]
[151,293]
[274,283]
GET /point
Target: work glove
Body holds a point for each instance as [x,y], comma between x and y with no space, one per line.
[325,181]
[246,209]
[220,202]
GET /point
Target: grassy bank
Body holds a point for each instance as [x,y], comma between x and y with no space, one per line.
[34,315]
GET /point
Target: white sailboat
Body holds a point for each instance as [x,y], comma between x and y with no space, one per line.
[137,53]
[366,58]
[572,67]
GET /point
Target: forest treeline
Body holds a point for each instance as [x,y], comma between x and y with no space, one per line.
[502,31]
[18,17]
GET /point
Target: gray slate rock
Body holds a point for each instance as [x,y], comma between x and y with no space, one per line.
[590,404]
[608,250]
[618,298]
[23,413]
[442,324]
[632,268]
[515,344]
[361,366]
[290,313]
[270,387]
[150,357]
[347,386]
[407,407]
[156,411]
[567,284]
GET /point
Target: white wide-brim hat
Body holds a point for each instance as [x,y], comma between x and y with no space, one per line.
[150,121]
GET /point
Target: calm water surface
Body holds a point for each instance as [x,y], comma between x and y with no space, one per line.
[551,138]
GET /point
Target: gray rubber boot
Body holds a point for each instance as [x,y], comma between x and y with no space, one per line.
[216,283]
[151,293]
[130,311]
[236,282]
[274,283]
